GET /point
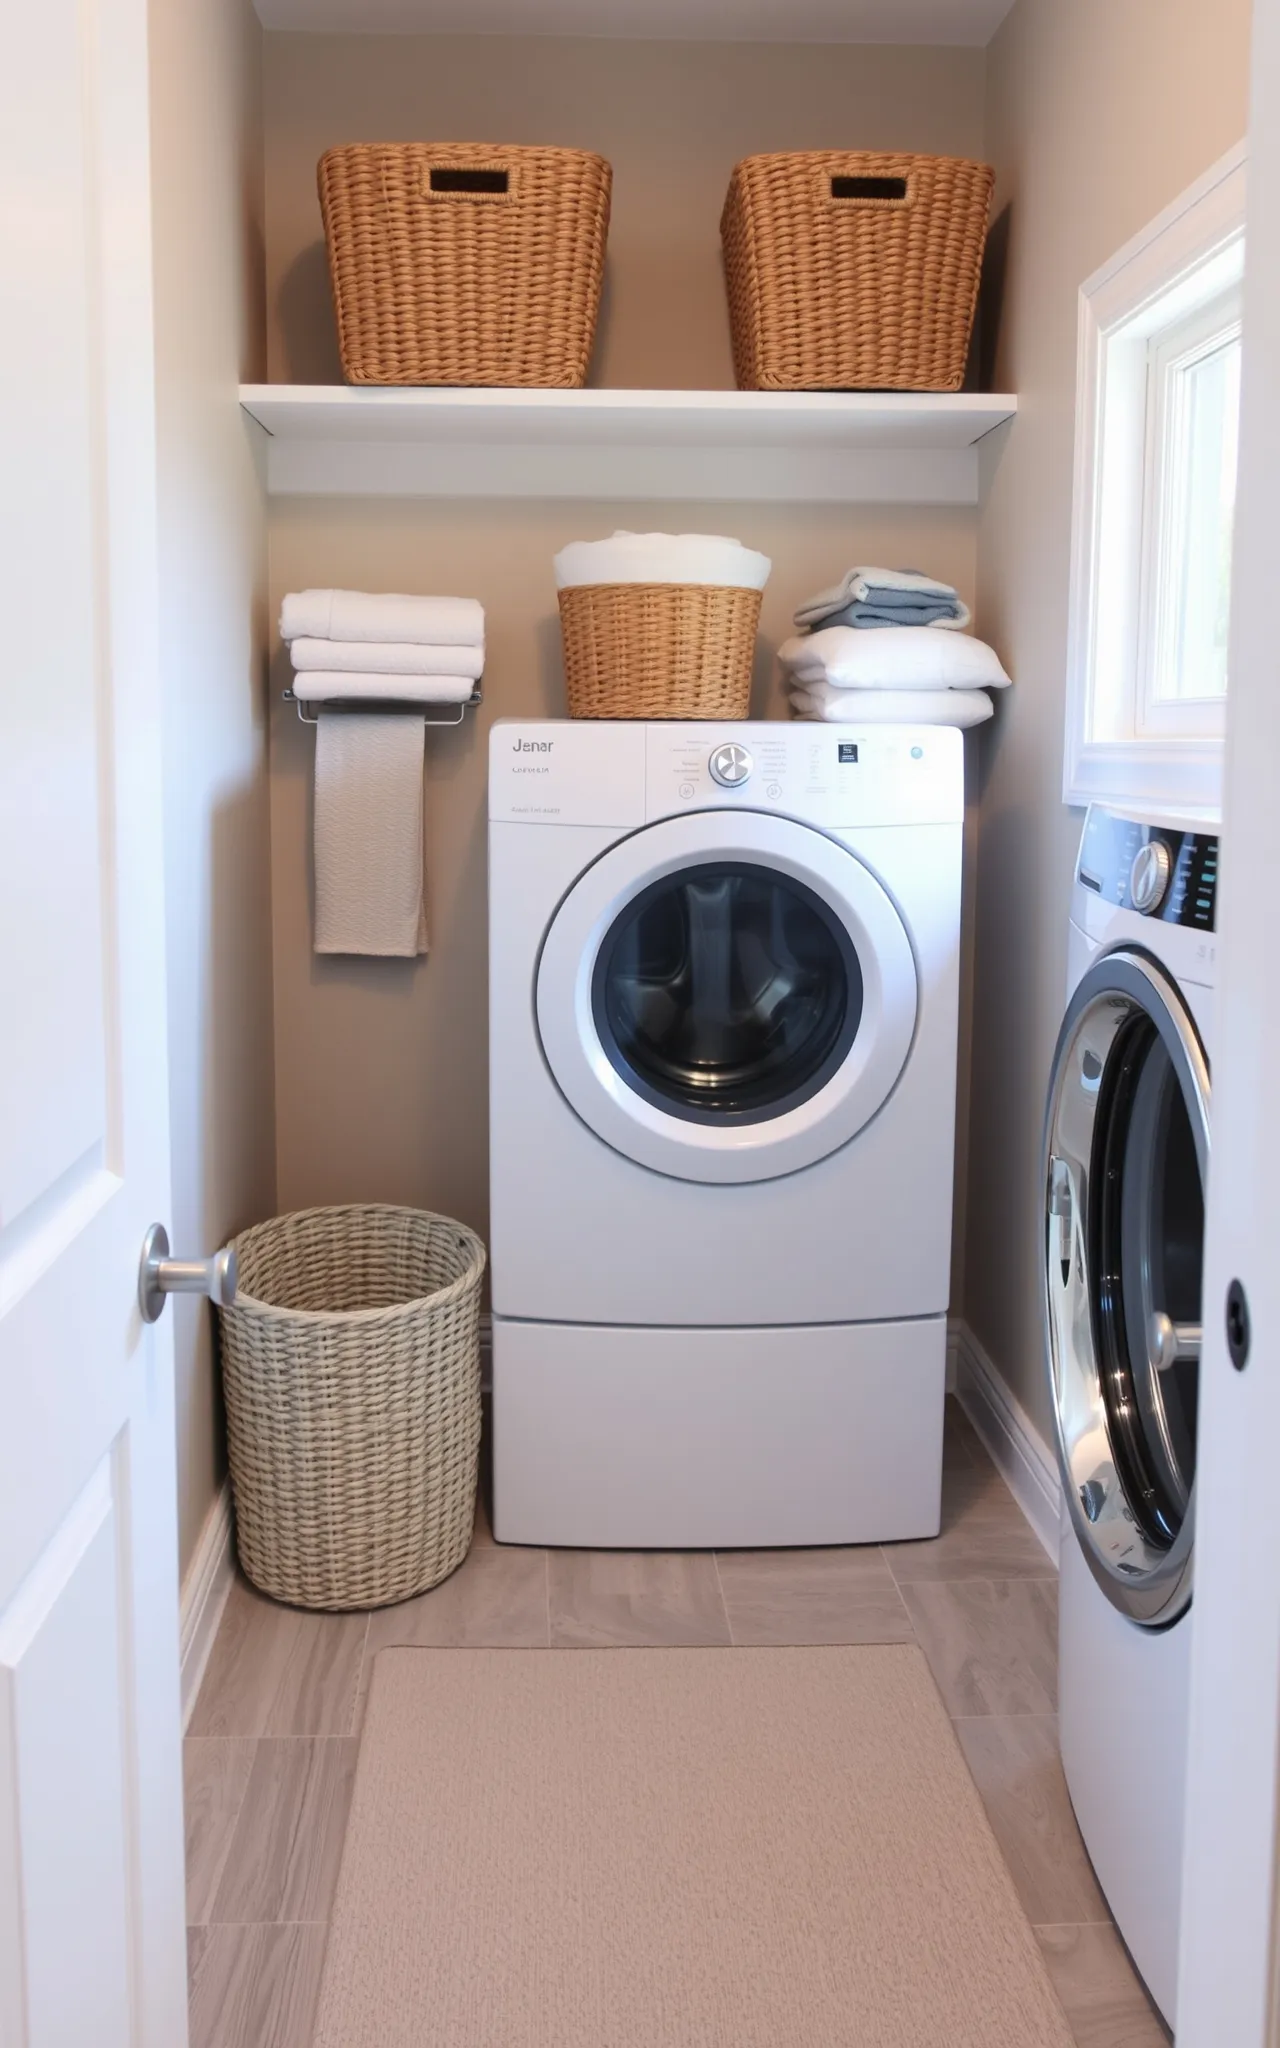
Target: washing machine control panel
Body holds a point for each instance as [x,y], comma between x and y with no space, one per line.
[826,775]
[1160,871]
[613,773]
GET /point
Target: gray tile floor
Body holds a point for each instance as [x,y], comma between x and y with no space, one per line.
[270,1754]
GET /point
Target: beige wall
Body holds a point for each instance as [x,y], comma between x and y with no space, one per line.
[208,200]
[380,1074]
[381,1066]
[1097,116]
[672,118]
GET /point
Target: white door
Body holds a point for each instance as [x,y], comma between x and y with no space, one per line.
[91,1901]
[1227,1993]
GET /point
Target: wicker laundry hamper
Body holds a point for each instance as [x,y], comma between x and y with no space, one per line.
[853,271]
[465,263]
[351,1364]
[658,650]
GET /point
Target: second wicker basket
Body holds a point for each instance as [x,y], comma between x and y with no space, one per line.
[851,271]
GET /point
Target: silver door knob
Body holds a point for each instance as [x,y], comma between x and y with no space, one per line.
[159,1275]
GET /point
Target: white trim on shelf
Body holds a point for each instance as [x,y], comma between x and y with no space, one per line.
[205,1587]
[1018,1450]
[747,446]
[1194,237]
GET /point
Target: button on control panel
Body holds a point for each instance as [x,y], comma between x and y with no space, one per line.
[730,765]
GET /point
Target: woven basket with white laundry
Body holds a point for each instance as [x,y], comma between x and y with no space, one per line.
[351,1364]
[659,625]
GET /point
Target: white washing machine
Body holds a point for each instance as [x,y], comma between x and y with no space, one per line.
[1126,1158]
[723,989]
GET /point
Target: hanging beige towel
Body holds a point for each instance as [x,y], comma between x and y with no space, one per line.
[368,834]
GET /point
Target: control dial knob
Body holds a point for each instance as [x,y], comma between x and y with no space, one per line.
[730,765]
[1150,876]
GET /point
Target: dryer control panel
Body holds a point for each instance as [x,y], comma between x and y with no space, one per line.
[1161,871]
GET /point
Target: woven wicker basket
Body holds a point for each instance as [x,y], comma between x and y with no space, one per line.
[464,263]
[351,1364]
[658,650]
[852,271]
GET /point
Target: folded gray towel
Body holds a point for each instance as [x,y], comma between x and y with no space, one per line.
[867,597]
[871,611]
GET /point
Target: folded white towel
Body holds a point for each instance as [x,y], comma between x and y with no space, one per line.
[904,658]
[387,658]
[892,707]
[320,686]
[382,615]
[662,558]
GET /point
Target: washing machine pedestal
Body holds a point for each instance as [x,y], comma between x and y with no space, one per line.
[608,1437]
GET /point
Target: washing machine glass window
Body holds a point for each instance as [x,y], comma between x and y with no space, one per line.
[1126,1158]
[727,992]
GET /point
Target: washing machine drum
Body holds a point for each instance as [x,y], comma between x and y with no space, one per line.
[727,996]
[1126,1158]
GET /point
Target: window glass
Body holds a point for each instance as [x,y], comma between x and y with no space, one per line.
[1201,425]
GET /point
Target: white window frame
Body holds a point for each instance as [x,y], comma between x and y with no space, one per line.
[1116,751]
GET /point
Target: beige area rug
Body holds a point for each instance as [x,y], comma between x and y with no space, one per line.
[673,1849]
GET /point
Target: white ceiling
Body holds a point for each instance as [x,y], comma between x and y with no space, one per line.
[971,22]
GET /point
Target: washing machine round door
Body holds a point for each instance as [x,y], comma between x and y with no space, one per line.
[726,996]
[1126,1158]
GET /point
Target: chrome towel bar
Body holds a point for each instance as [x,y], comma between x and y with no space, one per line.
[406,704]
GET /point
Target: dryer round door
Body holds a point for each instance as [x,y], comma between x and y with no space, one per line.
[726,996]
[1126,1159]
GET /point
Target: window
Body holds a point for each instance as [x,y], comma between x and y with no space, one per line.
[1158,405]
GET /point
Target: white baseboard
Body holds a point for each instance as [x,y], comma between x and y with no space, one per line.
[1017,1448]
[205,1587]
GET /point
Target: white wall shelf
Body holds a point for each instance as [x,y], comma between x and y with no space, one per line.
[816,447]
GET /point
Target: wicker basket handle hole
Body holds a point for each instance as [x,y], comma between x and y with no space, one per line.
[458,178]
[869,188]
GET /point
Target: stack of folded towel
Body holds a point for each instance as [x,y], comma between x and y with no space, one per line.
[397,654]
[885,597]
[897,638]
[354,643]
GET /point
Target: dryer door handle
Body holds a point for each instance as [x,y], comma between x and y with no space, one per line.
[1170,1343]
[1062,1204]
